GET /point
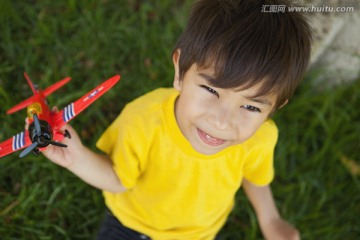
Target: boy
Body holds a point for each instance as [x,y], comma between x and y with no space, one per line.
[176,157]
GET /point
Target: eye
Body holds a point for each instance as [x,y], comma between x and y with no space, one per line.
[251,108]
[209,89]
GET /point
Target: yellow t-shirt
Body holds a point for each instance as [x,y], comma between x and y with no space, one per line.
[173,191]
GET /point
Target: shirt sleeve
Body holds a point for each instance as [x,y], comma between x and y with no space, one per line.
[116,142]
[259,163]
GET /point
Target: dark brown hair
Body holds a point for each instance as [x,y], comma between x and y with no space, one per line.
[247,45]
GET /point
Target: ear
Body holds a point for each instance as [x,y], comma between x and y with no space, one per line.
[177,82]
[282,105]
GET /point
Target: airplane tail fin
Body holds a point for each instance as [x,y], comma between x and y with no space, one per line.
[56,86]
[21,105]
[30,100]
[26,102]
[30,84]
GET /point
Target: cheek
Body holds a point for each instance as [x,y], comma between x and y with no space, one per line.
[186,110]
[248,124]
[196,103]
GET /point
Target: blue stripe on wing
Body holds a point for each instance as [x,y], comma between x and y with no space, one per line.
[69,112]
[18,141]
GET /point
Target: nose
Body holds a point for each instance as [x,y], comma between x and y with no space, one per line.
[221,118]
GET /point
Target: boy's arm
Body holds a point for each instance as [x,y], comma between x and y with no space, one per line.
[95,169]
[272,225]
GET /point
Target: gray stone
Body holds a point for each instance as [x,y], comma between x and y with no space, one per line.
[336,45]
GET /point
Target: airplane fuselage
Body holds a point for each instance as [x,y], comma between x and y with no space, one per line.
[41,109]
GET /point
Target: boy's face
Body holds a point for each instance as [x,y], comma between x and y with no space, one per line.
[213,119]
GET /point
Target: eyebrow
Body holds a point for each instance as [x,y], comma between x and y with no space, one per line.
[207,77]
[263,101]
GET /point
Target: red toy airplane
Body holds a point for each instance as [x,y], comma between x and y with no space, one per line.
[44,126]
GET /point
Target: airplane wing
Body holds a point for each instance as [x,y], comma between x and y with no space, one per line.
[17,142]
[74,108]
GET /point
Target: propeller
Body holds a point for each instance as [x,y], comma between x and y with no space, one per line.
[28,150]
[39,139]
[54,143]
[37,124]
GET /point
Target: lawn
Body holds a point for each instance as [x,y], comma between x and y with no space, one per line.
[317,185]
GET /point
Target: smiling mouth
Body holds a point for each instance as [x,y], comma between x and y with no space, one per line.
[210,140]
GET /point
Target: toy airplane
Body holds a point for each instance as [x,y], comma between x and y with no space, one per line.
[44,125]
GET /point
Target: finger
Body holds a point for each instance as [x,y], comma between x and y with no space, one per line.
[26,123]
[54,109]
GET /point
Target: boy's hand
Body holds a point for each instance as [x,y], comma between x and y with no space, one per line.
[272,225]
[279,229]
[65,156]
[95,169]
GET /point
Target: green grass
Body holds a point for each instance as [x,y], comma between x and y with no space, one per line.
[93,40]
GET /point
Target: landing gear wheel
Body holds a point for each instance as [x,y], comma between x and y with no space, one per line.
[36,152]
[67,134]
